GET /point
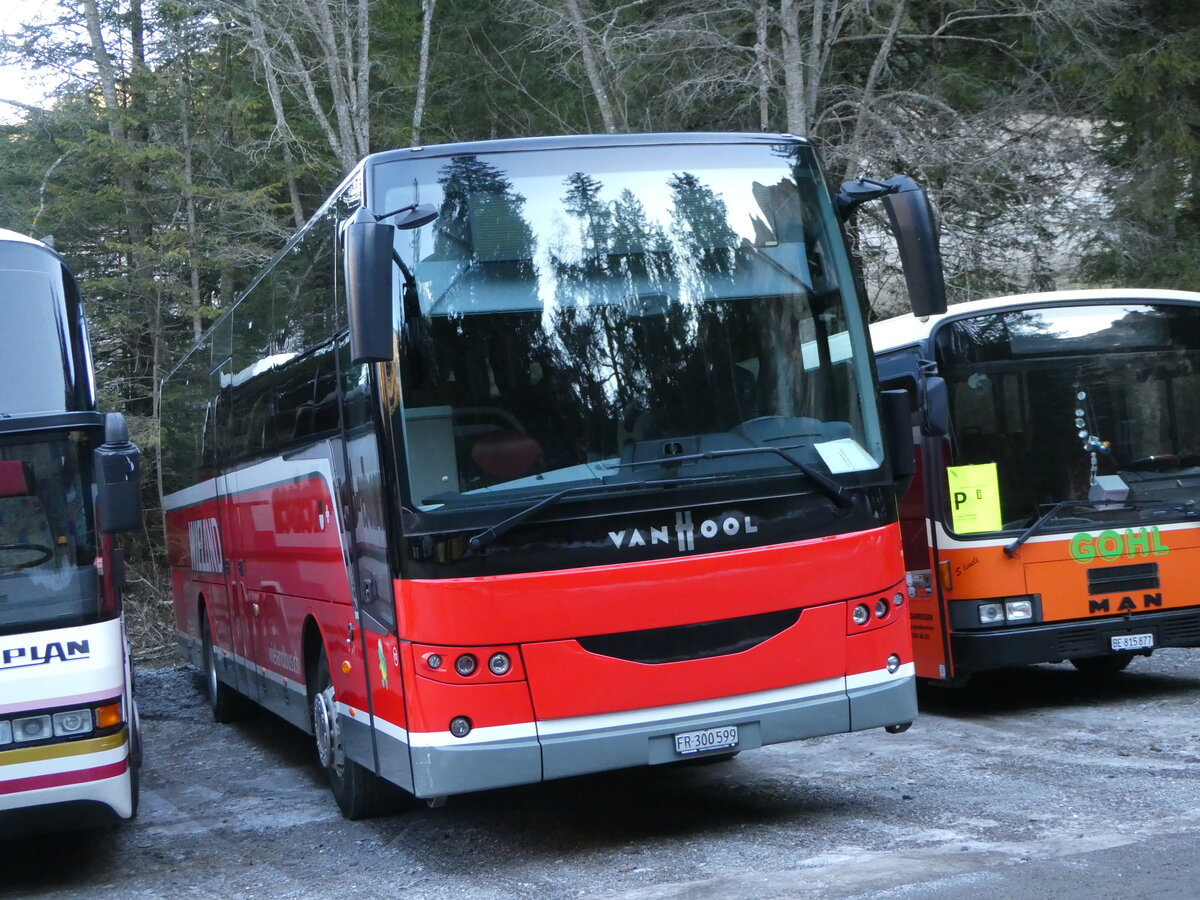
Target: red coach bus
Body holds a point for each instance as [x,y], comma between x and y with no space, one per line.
[1055,513]
[532,458]
[70,747]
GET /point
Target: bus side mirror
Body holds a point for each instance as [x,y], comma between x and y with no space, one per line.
[911,217]
[935,407]
[898,440]
[368,256]
[118,479]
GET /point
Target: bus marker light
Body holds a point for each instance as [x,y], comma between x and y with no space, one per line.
[898,599]
[881,607]
[72,721]
[499,663]
[861,614]
[990,613]
[465,665]
[893,664]
[1018,610]
[108,715]
[460,726]
[346,667]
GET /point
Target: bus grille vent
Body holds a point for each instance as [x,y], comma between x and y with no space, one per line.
[1119,579]
[699,641]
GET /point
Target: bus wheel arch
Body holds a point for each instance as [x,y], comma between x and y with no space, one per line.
[359,792]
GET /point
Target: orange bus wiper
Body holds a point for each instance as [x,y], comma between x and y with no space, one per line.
[1011,549]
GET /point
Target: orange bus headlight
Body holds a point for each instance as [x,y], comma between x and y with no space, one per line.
[1018,610]
[991,613]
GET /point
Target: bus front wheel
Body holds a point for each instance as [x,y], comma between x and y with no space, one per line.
[227,705]
[359,792]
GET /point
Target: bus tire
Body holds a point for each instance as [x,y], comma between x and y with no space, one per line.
[227,705]
[1103,666]
[359,792]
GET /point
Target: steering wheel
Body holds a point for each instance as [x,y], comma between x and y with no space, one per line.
[45,554]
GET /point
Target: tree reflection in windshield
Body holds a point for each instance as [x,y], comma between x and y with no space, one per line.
[570,318]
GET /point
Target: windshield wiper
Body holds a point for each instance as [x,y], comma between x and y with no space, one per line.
[489,535]
[827,486]
[1011,549]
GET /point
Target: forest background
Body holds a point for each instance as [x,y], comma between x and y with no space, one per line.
[183,141]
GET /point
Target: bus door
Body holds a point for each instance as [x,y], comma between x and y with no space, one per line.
[237,639]
[374,603]
[904,369]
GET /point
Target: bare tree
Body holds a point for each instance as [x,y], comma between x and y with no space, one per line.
[422,69]
[318,51]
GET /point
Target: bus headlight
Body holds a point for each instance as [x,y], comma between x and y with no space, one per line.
[990,613]
[5,733]
[1018,610]
[861,614]
[881,607]
[72,721]
[31,728]
[499,663]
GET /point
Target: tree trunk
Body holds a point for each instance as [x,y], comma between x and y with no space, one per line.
[423,69]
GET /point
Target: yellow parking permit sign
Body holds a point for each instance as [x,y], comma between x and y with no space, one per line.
[974,498]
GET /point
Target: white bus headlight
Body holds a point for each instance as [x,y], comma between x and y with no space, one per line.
[72,721]
[31,728]
[5,733]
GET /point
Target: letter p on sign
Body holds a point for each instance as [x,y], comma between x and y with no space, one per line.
[975,498]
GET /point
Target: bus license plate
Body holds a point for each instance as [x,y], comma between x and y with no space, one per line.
[687,742]
[1133,642]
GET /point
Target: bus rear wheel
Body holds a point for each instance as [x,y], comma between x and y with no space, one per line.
[227,705]
[1100,666]
[359,792]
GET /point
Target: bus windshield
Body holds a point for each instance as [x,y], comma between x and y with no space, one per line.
[1092,409]
[580,313]
[47,545]
[33,378]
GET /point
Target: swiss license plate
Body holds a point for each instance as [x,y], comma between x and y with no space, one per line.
[687,742]
[1132,641]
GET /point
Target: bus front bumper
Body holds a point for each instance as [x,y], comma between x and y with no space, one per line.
[562,748]
[1051,643]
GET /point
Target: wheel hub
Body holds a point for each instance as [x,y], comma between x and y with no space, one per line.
[325,730]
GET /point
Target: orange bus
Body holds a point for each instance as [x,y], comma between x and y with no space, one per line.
[1053,515]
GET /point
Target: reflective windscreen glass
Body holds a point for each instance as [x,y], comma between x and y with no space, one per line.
[1098,406]
[47,545]
[34,375]
[580,314]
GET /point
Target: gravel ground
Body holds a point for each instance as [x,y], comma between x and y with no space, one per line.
[1032,781]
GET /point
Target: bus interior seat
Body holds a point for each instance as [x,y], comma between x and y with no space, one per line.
[504,455]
